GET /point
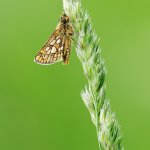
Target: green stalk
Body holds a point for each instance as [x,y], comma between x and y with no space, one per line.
[89,53]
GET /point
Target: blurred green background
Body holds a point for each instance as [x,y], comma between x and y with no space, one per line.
[40,106]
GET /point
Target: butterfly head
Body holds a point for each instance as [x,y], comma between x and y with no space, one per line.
[65,19]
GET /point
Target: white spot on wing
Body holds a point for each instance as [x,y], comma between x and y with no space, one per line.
[53,50]
[53,42]
[55,55]
[58,41]
[47,48]
[62,48]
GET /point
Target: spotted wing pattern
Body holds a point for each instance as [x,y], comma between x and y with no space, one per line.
[53,50]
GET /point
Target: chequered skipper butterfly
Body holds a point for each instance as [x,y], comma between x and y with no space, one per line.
[58,46]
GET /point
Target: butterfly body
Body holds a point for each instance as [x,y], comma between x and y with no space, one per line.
[58,46]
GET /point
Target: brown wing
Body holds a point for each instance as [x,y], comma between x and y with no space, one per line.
[52,51]
[67,50]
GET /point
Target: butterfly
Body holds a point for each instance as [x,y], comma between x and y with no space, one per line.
[58,46]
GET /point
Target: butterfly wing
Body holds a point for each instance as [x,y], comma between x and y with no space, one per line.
[52,51]
[67,49]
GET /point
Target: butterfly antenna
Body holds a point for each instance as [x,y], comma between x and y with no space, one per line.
[83,36]
[77,43]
